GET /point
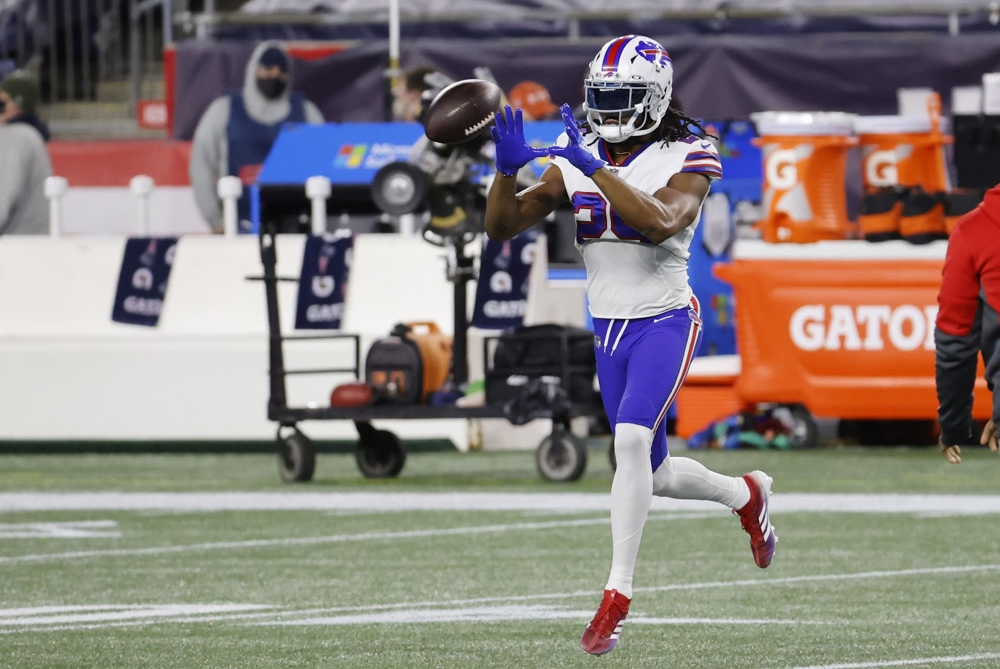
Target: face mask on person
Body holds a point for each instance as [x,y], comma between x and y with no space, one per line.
[271,87]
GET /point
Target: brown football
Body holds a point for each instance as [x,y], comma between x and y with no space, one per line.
[462,111]
[352,394]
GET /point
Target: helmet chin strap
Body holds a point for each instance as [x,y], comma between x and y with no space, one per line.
[605,131]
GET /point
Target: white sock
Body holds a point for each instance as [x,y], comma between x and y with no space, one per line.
[631,494]
[684,478]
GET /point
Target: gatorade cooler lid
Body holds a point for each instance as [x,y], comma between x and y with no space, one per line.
[891,125]
[803,123]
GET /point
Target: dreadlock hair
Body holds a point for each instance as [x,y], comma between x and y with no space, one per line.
[676,125]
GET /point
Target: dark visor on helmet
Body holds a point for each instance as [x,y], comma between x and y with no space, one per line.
[612,98]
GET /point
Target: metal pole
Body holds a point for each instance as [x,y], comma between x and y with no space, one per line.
[147,36]
[36,43]
[276,358]
[53,74]
[394,34]
[394,73]
[70,56]
[21,43]
[953,25]
[4,51]
[133,56]
[85,50]
[168,22]
[464,272]
[118,48]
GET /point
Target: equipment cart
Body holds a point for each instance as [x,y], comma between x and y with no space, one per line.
[560,456]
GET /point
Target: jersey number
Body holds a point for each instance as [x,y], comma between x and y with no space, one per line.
[601,216]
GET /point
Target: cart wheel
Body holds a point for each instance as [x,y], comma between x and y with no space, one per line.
[611,455]
[296,457]
[379,454]
[805,431]
[561,456]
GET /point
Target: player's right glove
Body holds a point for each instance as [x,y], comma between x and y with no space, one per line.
[578,156]
[512,149]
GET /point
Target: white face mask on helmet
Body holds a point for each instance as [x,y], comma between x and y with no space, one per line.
[628,88]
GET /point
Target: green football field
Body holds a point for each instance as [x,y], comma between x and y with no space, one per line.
[887,558]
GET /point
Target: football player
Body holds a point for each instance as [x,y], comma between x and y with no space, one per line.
[636,175]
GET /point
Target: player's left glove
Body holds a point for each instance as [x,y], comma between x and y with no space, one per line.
[512,149]
[578,156]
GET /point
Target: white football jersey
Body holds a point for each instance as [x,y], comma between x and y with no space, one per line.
[629,276]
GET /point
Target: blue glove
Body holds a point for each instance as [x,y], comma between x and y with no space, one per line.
[578,156]
[512,149]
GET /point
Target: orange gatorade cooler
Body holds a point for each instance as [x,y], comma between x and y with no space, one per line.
[902,159]
[901,151]
[805,165]
[844,328]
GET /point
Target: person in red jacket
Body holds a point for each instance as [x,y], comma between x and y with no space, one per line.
[968,324]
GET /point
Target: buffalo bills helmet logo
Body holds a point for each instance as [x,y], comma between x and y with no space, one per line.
[654,53]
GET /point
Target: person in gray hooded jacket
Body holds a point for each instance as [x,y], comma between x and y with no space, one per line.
[236,132]
[24,167]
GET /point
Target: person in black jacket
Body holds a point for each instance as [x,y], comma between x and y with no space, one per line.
[968,324]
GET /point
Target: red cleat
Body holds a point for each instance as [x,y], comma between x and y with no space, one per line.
[755,519]
[603,631]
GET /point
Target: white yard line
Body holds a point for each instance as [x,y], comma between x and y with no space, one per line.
[953,659]
[94,615]
[553,502]
[335,538]
[300,541]
[826,577]
[76,529]
[506,613]
[456,610]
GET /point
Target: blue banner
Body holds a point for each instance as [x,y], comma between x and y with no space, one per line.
[326,263]
[142,282]
[502,291]
[346,153]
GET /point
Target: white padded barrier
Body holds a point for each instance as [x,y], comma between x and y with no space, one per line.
[71,373]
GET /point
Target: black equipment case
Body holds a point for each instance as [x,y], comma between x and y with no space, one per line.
[534,351]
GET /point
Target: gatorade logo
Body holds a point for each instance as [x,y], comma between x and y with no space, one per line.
[867,327]
[780,169]
[880,169]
